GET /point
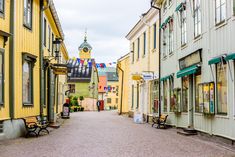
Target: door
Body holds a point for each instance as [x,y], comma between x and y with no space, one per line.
[191,100]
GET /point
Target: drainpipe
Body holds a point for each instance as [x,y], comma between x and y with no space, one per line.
[42,99]
[122,88]
[11,60]
[159,58]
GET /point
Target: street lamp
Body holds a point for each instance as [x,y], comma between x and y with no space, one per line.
[56,48]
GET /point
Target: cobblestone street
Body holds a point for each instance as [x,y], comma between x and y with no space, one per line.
[93,134]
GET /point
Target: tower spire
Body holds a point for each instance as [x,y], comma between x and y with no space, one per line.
[85,38]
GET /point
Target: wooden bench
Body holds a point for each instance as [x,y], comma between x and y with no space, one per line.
[160,121]
[35,125]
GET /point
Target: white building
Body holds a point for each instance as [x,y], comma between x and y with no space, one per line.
[197,64]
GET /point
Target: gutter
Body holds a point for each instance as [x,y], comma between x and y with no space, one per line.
[122,88]
[11,60]
[159,58]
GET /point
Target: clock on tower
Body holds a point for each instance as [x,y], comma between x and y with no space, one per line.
[85,49]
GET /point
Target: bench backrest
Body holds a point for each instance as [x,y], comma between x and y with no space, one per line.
[30,120]
[163,118]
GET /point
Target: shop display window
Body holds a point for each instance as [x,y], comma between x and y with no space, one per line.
[206,98]
[176,100]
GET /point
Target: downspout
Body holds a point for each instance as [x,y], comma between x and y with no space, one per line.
[159,59]
[11,60]
[122,88]
[42,99]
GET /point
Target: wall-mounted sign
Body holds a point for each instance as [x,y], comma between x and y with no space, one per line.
[192,59]
[148,76]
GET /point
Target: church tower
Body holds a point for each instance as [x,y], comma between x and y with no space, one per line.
[85,49]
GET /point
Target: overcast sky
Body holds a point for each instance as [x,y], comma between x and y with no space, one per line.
[107,21]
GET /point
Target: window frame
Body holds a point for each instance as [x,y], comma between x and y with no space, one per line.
[164,42]
[133,94]
[138,96]
[171,36]
[233,7]
[45,32]
[183,26]
[165,95]
[109,102]
[197,22]
[2,52]
[144,43]
[221,20]
[216,87]
[182,102]
[133,52]
[2,11]
[138,51]
[49,39]
[25,22]
[154,36]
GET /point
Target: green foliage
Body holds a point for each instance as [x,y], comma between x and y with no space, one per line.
[81,98]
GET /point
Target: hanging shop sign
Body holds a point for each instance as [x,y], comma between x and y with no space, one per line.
[192,59]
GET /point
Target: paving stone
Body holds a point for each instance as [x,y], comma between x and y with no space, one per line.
[106,134]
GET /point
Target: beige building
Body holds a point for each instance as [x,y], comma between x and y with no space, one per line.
[123,69]
[144,45]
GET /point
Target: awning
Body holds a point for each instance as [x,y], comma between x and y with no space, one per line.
[137,77]
[168,19]
[179,7]
[230,56]
[162,25]
[187,71]
[166,78]
[215,60]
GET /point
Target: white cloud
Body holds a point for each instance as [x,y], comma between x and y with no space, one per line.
[107,21]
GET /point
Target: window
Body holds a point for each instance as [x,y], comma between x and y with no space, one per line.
[171,35]
[52,47]
[27,82]
[72,88]
[185,93]
[220,11]
[197,17]
[116,100]
[133,52]
[2,6]
[49,39]
[154,96]
[138,51]
[165,6]
[165,96]
[172,97]
[132,102]
[164,42]
[109,100]
[221,78]
[155,36]
[138,95]
[28,13]
[198,94]
[144,44]
[170,2]
[45,32]
[233,7]
[183,26]
[1,77]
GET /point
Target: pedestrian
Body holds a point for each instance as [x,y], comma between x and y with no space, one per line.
[98,106]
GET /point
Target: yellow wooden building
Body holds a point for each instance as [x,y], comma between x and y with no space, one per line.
[23,59]
[123,69]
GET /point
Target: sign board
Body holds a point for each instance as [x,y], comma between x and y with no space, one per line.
[190,60]
[149,76]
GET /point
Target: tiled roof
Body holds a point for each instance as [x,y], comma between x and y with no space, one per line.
[78,72]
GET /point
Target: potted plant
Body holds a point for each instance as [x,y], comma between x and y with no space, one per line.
[82,108]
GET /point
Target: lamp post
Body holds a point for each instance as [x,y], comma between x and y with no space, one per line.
[153,2]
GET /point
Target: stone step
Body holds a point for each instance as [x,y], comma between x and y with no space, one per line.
[186,133]
[190,130]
